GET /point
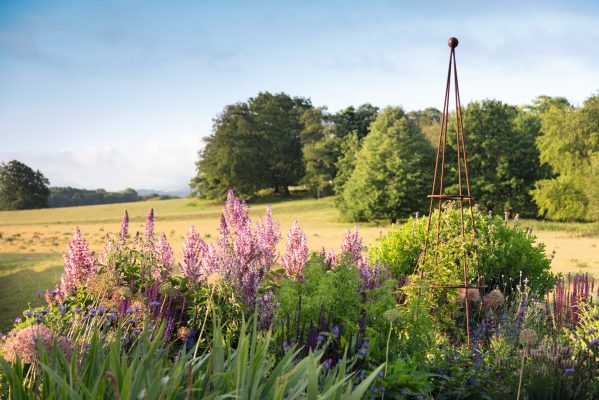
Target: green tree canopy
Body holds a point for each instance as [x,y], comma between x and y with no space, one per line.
[393,170]
[503,160]
[320,149]
[351,119]
[569,144]
[254,145]
[21,187]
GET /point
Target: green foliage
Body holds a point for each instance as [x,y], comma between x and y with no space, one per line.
[351,120]
[254,145]
[501,250]
[570,146]
[152,371]
[22,188]
[392,170]
[335,289]
[320,149]
[503,160]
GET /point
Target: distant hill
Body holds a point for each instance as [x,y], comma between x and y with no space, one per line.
[173,193]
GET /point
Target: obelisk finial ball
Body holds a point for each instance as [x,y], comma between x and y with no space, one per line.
[453,42]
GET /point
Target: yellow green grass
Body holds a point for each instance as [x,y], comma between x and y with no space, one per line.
[33,241]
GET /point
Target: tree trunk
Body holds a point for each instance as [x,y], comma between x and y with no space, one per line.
[286,190]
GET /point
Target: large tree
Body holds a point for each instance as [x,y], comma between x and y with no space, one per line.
[503,160]
[351,120]
[570,145]
[320,149]
[21,187]
[393,170]
[254,145]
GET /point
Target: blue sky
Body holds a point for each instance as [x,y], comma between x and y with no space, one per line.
[118,94]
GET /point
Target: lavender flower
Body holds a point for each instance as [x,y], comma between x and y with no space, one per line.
[296,253]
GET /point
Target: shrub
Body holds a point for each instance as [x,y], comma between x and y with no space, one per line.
[504,252]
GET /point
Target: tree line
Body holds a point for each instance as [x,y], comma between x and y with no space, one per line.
[540,159]
[22,188]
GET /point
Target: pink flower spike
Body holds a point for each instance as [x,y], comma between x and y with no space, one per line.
[352,243]
[193,251]
[296,254]
[124,229]
[79,264]
[150,226]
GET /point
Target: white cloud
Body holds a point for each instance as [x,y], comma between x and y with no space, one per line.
[156,163]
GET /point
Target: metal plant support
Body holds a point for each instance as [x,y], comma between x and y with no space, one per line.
[437,195]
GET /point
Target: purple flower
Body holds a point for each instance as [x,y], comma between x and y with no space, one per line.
[362,352]
[366,345]
[29,314]
[78,309]
[17,320]
[38,293]
[154,303]
[596,316]
[296,253]
[335,331]
[381,374]
[79,264]
[149,234]
[352,243]
[194,249]
[569,370]
[594,342]
[591,330]
[111,315]
[164,254]
[374,390]
[39,320]
[382,389]
[124,229]
[44,311]
[320,338]
[101,309]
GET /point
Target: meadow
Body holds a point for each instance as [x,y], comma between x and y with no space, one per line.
[32,241]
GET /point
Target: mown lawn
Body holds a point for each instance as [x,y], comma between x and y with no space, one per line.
[32,241]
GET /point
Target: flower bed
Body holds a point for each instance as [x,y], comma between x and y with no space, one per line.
[236,318]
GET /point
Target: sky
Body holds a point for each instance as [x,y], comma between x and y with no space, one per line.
[118,94]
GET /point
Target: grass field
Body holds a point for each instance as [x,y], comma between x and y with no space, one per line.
[32,242]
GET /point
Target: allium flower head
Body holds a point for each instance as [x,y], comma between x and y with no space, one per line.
[79,264]
[494,299]
[472,294]
[23,343]
[528,337]
[124,229]
[296,253]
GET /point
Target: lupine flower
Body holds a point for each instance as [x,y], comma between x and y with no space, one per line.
[149,234]
[79,265]
[164,254]
[193,249]
[296,253]
[124,229]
